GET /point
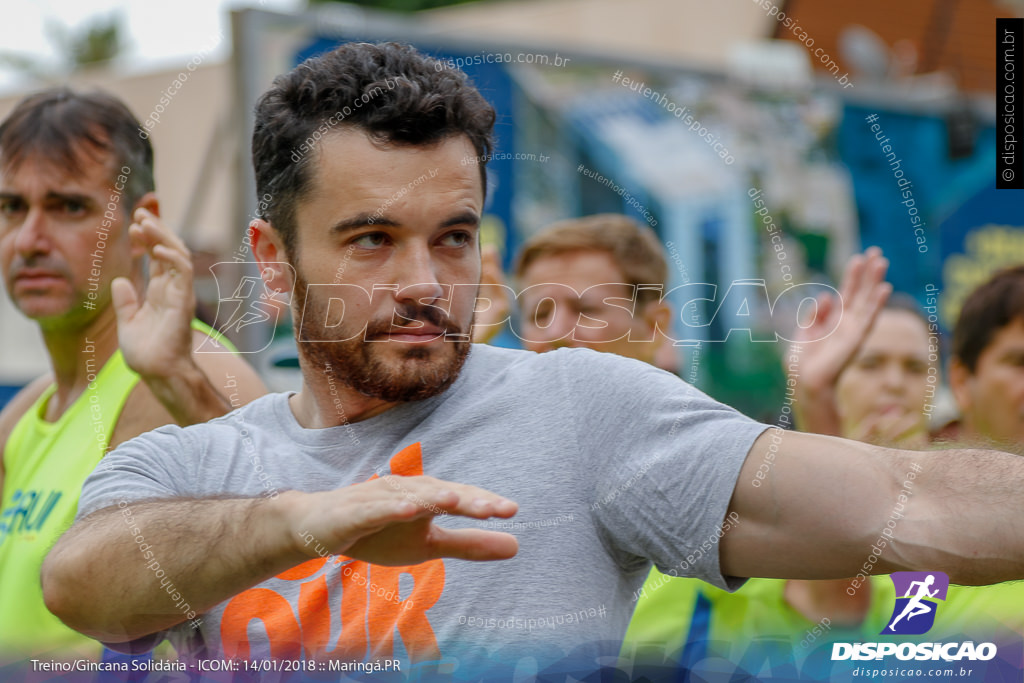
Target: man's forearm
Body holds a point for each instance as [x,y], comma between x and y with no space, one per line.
[100,578]
[965,516]
[820,507]
[188,395]
[108,576]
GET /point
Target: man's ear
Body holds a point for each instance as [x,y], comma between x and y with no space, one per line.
[149,202]
[269,253]
[657,316]
[960,384]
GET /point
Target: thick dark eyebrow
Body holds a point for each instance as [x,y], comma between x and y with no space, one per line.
[468,218]
[361,220]
[1013,354]
[82,199]
[369,220]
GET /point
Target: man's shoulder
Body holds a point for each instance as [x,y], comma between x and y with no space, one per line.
[488,364]
[490,357]
[574,369]
[225,369]
[263,411]
[224,365]
[235,425]
[20,404]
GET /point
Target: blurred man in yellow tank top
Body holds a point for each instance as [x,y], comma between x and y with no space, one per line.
[78,219]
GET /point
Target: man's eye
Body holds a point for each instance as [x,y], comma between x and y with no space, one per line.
[869,363]
[67,208]
[917,367]
[542,312]
[74,207]
[456,239]
[371,240]
[11,207]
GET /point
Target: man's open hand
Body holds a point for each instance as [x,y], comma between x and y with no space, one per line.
[154,330]
[389,521]
[863,292]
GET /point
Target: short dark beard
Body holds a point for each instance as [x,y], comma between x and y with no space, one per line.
[354,362]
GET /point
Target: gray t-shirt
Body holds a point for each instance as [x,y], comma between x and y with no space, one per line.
[614,465]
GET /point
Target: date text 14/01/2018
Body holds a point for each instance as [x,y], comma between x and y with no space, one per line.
[267,665]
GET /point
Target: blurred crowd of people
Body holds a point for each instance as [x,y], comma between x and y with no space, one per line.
[867,378]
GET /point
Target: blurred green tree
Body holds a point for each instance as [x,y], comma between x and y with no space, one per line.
[95,43]
[399,5]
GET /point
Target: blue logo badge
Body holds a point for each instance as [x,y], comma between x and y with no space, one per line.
[917,594]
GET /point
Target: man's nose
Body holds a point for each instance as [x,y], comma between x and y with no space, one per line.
[416,276]
[563,325]
[552,329]
[894,378]
[32,236]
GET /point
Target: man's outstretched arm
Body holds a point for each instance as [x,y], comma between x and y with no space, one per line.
[97,580]
[826,503]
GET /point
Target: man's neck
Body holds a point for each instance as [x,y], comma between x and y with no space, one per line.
[76,356]
[322,403]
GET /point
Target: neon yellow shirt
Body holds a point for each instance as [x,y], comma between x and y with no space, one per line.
[684,621]
[687,620]
[45,464]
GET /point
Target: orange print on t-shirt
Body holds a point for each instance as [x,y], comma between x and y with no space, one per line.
[345,608]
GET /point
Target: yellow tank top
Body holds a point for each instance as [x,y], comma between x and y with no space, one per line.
[45,465]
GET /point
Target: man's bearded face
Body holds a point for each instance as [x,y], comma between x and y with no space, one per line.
[412,354]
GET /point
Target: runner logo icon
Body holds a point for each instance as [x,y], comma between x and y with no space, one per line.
[914,612]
